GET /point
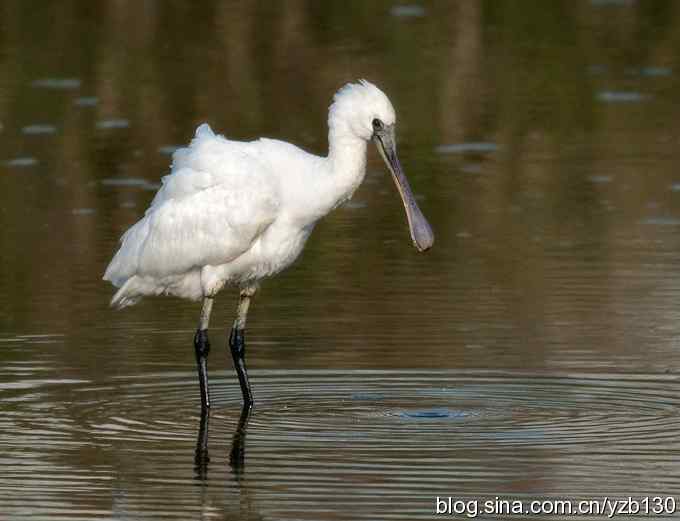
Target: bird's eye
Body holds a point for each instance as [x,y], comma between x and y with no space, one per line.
[377,124]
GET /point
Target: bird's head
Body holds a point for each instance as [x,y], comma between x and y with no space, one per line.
[363,111]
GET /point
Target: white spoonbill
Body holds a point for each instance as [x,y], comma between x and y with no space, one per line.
[232,213]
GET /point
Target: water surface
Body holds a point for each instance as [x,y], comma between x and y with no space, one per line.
[532,353]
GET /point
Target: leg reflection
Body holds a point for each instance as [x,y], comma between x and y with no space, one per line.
[201,457]
[238,442]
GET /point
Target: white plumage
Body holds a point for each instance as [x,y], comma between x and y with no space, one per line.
[233,213]
[218,201]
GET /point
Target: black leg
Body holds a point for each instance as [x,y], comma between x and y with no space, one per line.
[238,353]
[202,347]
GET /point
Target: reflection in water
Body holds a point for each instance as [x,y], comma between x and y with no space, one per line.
[246,510]
[238,447]
[544,326]
[238,444]
[202,458]
[364,441]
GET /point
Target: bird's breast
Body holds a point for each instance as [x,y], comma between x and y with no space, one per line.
[276,249]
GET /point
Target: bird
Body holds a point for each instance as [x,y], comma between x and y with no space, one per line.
[232,213]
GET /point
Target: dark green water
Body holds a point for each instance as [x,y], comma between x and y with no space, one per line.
[533,353]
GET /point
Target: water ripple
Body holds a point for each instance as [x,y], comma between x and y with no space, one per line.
[321,443]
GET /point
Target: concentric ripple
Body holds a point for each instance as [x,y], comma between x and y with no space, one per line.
[322,444]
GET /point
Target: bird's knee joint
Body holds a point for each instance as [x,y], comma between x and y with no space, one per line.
[248,291]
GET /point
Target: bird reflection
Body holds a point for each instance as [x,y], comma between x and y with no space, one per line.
[237,453]
[238,444]
[244,506]
[201,457]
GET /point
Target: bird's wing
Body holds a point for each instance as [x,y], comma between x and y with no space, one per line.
[219,198]
[211,227]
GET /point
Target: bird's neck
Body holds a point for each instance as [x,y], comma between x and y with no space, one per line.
[346,165]
[334,179]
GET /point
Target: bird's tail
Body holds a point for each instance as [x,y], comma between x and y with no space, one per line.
[122,270]
[123,298]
